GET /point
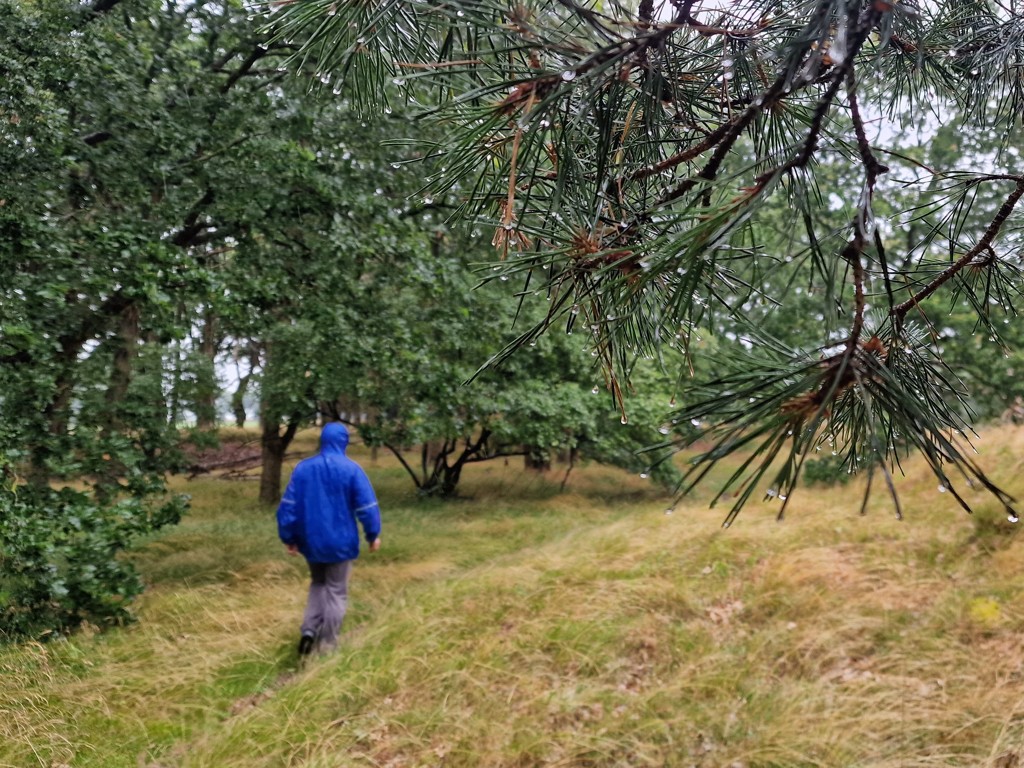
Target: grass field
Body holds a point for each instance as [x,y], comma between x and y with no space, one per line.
[521,626]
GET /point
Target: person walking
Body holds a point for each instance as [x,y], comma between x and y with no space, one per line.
[326,496]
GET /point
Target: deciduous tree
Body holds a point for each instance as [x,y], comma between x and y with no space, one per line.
[140,143]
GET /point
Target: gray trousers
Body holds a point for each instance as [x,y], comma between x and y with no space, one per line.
[328,600]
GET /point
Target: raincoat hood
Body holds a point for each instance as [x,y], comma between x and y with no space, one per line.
[334,438]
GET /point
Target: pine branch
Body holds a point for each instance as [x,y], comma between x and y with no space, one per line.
[647,175]
[900,311]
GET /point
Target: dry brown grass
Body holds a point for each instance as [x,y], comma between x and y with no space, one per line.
[522,628]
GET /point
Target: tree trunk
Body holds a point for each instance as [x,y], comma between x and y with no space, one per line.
[238,400]
[536,460]
[274,444]
[444,478]
[174,396]
[206,398]
[122,366]
[273,448]
[251,352]
[56,416]
[55,413]
[450,479]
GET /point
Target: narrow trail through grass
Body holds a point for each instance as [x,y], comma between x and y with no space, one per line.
[521,626]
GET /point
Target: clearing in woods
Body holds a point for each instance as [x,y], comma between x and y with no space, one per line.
[521,626]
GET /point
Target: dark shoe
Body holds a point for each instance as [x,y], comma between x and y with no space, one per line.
[306,645]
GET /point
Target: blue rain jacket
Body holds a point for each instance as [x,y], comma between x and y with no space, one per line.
[325,497]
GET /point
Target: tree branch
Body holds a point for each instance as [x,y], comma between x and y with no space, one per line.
[810,145]
[900,311]
[707,30]
[255,55]
[192,227]
[97,138]
[401,459]
[775,93]
[872,170]
[100,7]
[17,358]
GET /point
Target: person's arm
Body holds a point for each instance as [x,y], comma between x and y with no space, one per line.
[366,508]
[289,515]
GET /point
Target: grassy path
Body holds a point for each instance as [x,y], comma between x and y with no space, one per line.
[522,627]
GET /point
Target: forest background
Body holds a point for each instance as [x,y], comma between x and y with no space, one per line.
[189,187]
[177,205]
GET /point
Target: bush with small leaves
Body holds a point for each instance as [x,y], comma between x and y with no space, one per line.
[829,470]
[58,558]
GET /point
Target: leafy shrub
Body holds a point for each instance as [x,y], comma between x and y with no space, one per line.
[829,470]
[58,558]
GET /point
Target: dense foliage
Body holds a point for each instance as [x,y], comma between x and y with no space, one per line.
[408,373]
[137,158]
